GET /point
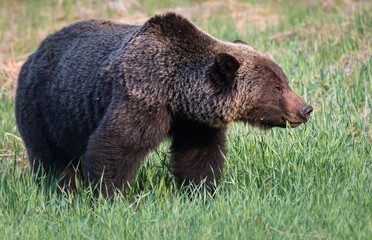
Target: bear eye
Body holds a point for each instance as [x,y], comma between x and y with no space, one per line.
[276,89]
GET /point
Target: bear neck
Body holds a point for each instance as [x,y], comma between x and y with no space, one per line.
[198,98]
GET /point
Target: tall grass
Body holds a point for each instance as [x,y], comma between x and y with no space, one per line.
[314,181]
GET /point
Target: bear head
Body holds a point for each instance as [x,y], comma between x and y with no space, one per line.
[261,88]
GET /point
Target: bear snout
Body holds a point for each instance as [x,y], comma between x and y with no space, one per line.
[302,116]
[305,112]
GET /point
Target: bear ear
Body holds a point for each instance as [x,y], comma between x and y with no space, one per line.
[240,42]
[224,67]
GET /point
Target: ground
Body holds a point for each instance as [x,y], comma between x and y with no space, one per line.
[314,181]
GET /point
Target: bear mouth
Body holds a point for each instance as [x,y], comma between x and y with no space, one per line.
[294,124]
[282,122]
[290,123]
[268,123]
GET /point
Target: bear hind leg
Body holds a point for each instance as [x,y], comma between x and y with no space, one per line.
[55,163]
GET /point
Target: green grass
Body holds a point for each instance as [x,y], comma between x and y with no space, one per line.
[312,182]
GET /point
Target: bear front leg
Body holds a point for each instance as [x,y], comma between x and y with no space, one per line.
[120,143]
[198,153]
[115,163]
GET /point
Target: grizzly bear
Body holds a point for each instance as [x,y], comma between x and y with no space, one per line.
[108,93]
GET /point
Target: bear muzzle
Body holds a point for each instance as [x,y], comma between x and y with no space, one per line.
[298,111]
[301,117]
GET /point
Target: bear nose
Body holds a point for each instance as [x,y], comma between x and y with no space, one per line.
[307,110]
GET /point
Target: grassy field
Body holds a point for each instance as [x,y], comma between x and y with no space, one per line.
[312,182]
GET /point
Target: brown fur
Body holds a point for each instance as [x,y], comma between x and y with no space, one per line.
[111,93]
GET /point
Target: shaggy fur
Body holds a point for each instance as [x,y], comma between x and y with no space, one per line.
[110,93]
